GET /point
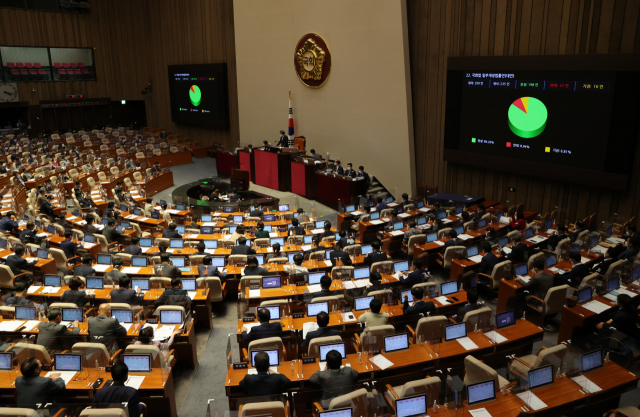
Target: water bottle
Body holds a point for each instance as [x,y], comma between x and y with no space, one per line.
[434,406]
[97,365]
[292,369]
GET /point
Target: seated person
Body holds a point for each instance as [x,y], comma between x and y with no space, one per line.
[110,232]
[85,270]
[171,232]
[175,296]
[166,268]
[297,265]
[416,276]
[261,233]
[381,205]
[374,317]
[335,381]
[115,274]
[559,235]
[325,284]
[276,252]
[411,232]
[253,267]
[74,294]
[376,283]
[118,392]
[604,263]
[28,234]
[472,304]
[540,283]
[206,270]
[518,222]
[51,332]
[18,299]
[489,261]
[453,241]
[574,277]
[18,264]
[323,331]
[33,390]
[327,230]
[418,306]
[111,211]
[297,230]
[492,236]
[625,319]
[264,382]
[316,246]
[134,248]
[518,250]
[264,330]
[632,250]
[376,255]
[125,294]
[200,249]
[145,337]
[338,253]
[242,248]
[579,228]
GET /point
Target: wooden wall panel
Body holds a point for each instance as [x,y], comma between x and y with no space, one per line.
[134,42]
[439,29]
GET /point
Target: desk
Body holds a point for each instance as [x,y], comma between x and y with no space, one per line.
[272,169]
[225,162]
[333,191]
[304,179]
[42,266]
[247,163]
[578,317]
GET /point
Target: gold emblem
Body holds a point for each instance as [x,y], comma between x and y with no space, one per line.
[312,60]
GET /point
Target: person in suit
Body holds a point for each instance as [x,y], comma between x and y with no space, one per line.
[327,230]
[74,294]
[103,329]
[110,232]
[115,274]
[325,285]
[631,251]
[323,331]
[376,283]
[8,222]
[283,142]
[175,296]
[296,229]
[376,255]
[454,241]
[253,267]
[261,233]
[264,330]
[374,317]
[47,208]
[315,156]
[88,228]
[256,213]
[625,319]
[489,261]
[85,270]
[577,230]
[33,389]
[18,264]
[206,270]
[171,232]
[518,250]
[603,266]
[579,271]
[472,305]
[411,232]
[67,245]
[125,294]
[28,235]
[540,283]
[111,211]
[381,205]
[338,168]
[117,392]
[350,172]
[166,268]
[264,382]
[416,276]
[242,248]
[338,253]
[200,249]
[480,212]
[49,332]
[18,297]
[557,237]
[134,248]
[418,305]
[363,174]
[334,381]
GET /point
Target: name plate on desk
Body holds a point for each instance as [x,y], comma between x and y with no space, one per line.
[308,360]
[298,315]
[240,365]
[301,283]
[248,319]
[377,352]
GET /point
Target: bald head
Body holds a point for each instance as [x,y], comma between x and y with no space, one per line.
[105,309]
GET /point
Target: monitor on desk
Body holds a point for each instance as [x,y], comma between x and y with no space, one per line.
[180,229]
[482,223]
[68,362]
[442,215]
[104,259]
[206,230]
[432,237]
[137,212]
[324,349]
[269,218]
[584,295]
[400,266]
[591,360]
[342,412]
[362,303]
[411,406]
[389,200]
[95,283]
[361,273]
[268,228]
[635,273]
[366,249]
[180,207]
[308,239]
[407,293]
[450,287]
[123,207]
[574,248]
[260,259]
[3,243]
[399,210]
[327,254]
[459,230]
[89,239]
[37,223]
[609,231]
[146,242]
[594,241]
[206,218]
[142,283]
[315,277]
[6,361]
[481,392]
[613,283]
[528,233]
[271,282]
[177,261]
[218,261]
[349,209]
[275,240]
[76,213]
[123,316]
[105,221]
[472,251]
[72,314]
[170,317]
[283,207]
[25,313]
[274,357]
[51,229]
[396,342]
[398,226]
[155,215]
[176,243]
[540,377]
[548,224]
[162,202]
[505,319]
[189,284]
[120,229]
[320,224]
[420,204]
[421,220]
[137,362]
[291,255]
[238,218]
[43,253]
[503,241]
[232,229]
[227,209]
[374,216]
[210,244]
[455,331]
[52,280]
[522,270]
[550,261]
[314,308]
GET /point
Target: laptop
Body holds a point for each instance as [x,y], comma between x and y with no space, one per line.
[137,362]
[104,259]
[540,377]
[180,229]
[139,261]
[68,362]
[260,259]
[180,207]
[411,406]
[481,392]
[389,200]
[271,282]
[238,218]
[283,207]
[584,295]
[308,239]
[609,231]
[366,249]
[472,251]
[51,280]
[432,237]
[95,283]
[550,261]
[362,303]
[3,243]
[528,233]
[313,309]
[274,357]
[217,261]
[482,223]
[142,283]
[349,209]
[206,218]
[361,273]
[398,226]
[25,313]
[211,244]
[232,229]
[146,242]
[613,284]
[505,319]
[123,316]
[89,238]
[170,317]
[374,216]
[315,278]
[574,248]
[6,361]
[227,209]
[43,253]
[447,288]
[320,224]
[324,349]
[105,221]
[635,273]
[274,312]
[269,228]
[399,210]
[503,241]
[327,254]
[594,241]
[155,215]
[459,230]
[51,229]
[591,360]
[189,284]
[522,270]
[179,262]
[455,331]
[275,240]
[421,220]
[292,254]
[396,342]
[72,314]
[269,218]
[176,243]
[137,212]
[342,412]
[162,202]
[442,215]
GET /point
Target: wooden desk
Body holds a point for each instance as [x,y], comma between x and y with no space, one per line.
[578,317]
[304,179]
[42,266]
[332,191]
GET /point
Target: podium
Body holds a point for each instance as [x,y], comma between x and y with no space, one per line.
[273,169]
[303,177]
[226,162]
[247,163]
[333,190]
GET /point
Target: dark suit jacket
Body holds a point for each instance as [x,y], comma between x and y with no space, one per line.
[575,275]
[628,253]
[125,295]
[37,389]
[451,242]
[375,256]
[265,384]
[414,277]
[171,234]
[488,262]
[103,329]
[335,382]
[340,170]
[74,296]
[111,234]
[540,284]
[69,248]
[321,332]
[173,296]
[17,264]
[339,254]
[262,331]
[350,173]
[624,321]
[166,270]
[603,266]
[517,253]
[573,236]
[84,271]
[555,239]
[255,271]
[298,231]
[90,229]
[26,233]
[118,393]
[49,333]
[242,250]
[420,307]
[133,250]
[256,213]
[464,310]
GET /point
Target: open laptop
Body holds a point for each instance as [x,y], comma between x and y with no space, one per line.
[505,319]
[432,237]
[361,273]
[6,361]
[176,243]
[274,357]
[366,249]
[139,261]
[401,266]
[374,216]
[189,284]
[550,261]
[455,331]
[123,316]
[481,392]
[313,309]
[275,240]
[104,259]
[448,288]
[137,362]
[324,349]
[95,283]
[315,277]
[72,314]
[398,226]
[308,239]
[206,230]
[591,360]
[613,284]
[342,412]
[584,295]
[540,377]
[528,233]
[52,280]
[522,270]
[68,362]
[25,313]
[43,253]
[274,312]
[218,261]
[411,406]
[503,241]
[472,251]
[271,282]
[170,317]
[142,283]
[482,223]
[292,254]
[362,303]
[396,342]
[206,218]
[210,244]
[146,242]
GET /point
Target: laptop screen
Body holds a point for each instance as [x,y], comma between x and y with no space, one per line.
[95,283]
[6,361]
[42,253]
[459,230]
[227,209]
[522,270]
[400,266]
[315,278]
[349,209]
[360,273]
[472,251]
[455,331]
[260,259]
[411,406]
[146,242]
[143,284]
[155,215]
[25,313]
[550,261]
[232,229]
[398,226]
[180,207]
[211,244]
[51,280]
[432,237]
[344,412]
[320,224]
[275,240]
[324,349]
[271,282]
[139,261]
[137,212]
[584,295]
[217,261]
[89,238]
[127,225]
[442,215]
[396,342]
[104,259]
[177,261]
[591,360]
[528,233]
[482,223]
[205,218]
[68,362]
[176,243]
[123,316]
[269,218]
[594,241]
[189,284]
[540,376]
[206,230]
[71,314]
[180,228]
[508,318]
[283,207]
[482,391]
[609,231]
[269,228]
[274,312]
[137,363]
[238,218]
[274,359]
[635,273]
[362,303]
[613,283]
[171,317]
[51,229]
[308,239]
[366,249]
[314,308]
[421,220]
[449,287]
[503,241]
[374,216]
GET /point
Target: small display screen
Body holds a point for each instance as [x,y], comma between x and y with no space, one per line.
[314,308]
[139,261]
[449,287]
[362,303]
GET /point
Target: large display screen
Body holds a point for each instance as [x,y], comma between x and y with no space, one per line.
[199,95]
[561,117]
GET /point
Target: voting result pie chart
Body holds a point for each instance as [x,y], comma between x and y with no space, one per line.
[194,95]
[527,117]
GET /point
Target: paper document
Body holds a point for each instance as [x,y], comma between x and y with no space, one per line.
[33,289]
[381,362]
[347,317]
[144,249]
[192,294]
[134,381]
[303,247]
[397,233]
[531,400]
[308,327]
[328,263]
[212,224]
[464,236]
[314,288]
[322,365]
[317,231]
[586,384]
[273,234]
[131,216]
[392,204]
[252,371]
[251,325]
[50,290]
[171,211]
[495,336]
[356,213]
[126,326]
[424,209]
[30,259]
[66,375]
[467,343]
[611,296]
[524,278]
[477,259]
[584,260]
[101,268]
[376,222]
[599,248]
[30,325]
[254,293]
[623,290]
[131,270]
[480,412]
[437,242]
[442,300]
[348,285]
[361,283]
[507,250]
[10,325]
[614,240]
[403,215]
[596,306]
[445,221]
